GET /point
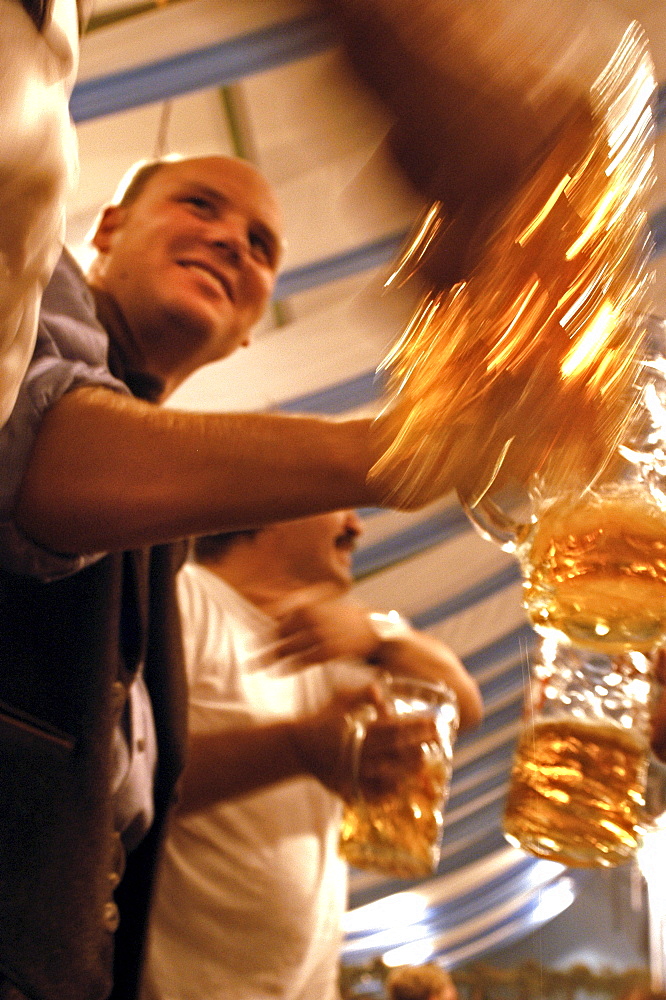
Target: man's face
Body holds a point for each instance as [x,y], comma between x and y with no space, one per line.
[317,549]
[191,262]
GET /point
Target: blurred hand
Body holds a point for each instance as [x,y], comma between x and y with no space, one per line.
[323,630]
[474,101]
[391,746]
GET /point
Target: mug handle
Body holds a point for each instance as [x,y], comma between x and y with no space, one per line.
[353,741]
[494,524]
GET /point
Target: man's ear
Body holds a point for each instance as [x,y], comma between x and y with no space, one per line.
[110,221]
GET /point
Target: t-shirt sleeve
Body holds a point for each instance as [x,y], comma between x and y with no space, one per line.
[210,639]
[193,606]
[71,351]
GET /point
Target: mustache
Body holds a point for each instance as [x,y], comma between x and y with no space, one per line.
[347,539]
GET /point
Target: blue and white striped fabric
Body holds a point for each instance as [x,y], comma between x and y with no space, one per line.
[430,565]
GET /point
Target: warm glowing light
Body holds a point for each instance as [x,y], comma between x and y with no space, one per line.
[529,366]
[418,246]
[544,212]
[590,345]
[594,225]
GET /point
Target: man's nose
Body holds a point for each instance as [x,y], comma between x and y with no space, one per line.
[230,237]
[353,523]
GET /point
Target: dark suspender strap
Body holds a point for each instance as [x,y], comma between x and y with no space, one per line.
[40,11]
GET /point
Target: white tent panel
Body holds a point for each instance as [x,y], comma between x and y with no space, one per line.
[317,139]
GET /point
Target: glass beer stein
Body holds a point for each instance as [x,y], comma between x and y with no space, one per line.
[593,556]
[577,786]
[528,364]
[400,833]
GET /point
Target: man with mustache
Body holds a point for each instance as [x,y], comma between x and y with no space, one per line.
[251,888]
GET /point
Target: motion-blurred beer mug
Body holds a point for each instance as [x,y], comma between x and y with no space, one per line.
[593,555]
[527,366]
[400,832]
[577,788]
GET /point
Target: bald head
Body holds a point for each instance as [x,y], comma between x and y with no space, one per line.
[189,252]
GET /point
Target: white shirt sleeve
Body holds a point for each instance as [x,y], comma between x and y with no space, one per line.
[38,168]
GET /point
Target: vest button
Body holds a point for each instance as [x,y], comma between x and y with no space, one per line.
[111,917]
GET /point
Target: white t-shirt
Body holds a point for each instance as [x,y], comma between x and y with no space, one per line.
[250,894]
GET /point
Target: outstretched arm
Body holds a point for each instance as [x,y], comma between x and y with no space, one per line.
[109,472]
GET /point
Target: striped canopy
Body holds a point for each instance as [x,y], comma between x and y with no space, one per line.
[261,79]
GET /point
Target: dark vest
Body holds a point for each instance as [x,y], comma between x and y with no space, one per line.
[69,650]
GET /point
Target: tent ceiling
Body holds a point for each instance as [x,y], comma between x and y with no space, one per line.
[259,78]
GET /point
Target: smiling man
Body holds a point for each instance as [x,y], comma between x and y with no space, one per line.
[95,476]
[208,235]
[251,888]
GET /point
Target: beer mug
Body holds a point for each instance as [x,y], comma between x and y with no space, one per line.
[529,364]
[593,555]
[400,833]
[577,788]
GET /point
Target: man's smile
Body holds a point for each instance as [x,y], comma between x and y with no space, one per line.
[211,275]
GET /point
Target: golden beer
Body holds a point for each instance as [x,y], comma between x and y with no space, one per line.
[576,793]
[399,833]
[595,569]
